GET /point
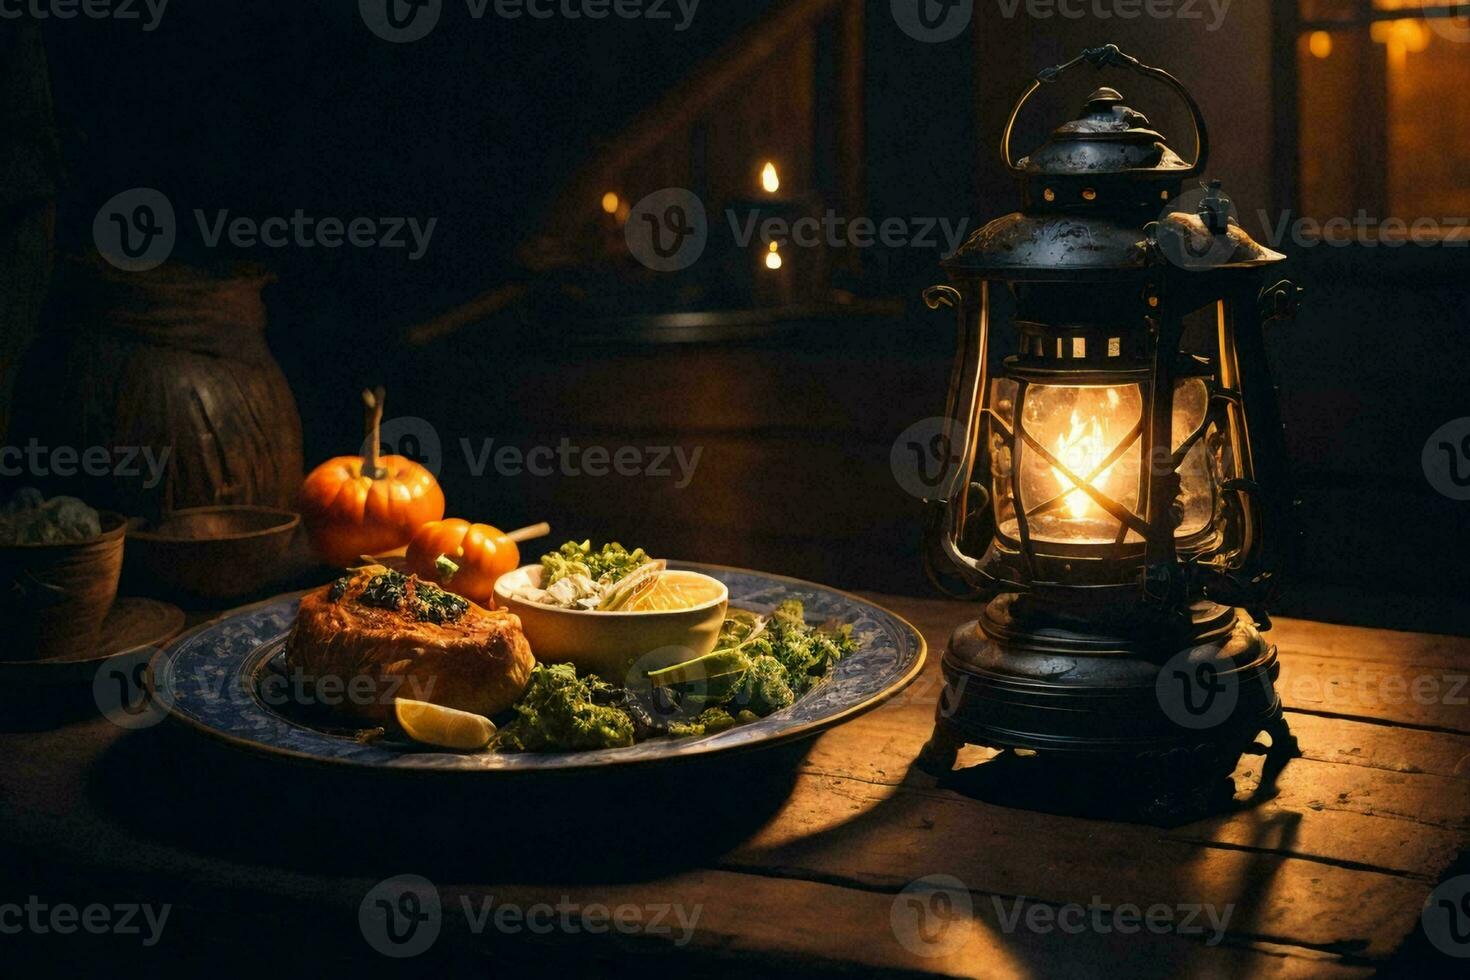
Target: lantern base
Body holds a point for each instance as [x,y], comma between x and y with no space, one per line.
[1138,718]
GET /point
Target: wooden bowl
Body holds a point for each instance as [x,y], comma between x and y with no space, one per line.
[211,553]
[55,596]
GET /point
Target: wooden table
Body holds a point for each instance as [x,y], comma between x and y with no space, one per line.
[1328,878]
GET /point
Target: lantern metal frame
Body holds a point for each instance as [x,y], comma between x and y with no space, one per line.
[1066,658]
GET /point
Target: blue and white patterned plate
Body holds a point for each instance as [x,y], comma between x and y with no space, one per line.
[208,680]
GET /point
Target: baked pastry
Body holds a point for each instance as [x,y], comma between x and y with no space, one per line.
[409,639]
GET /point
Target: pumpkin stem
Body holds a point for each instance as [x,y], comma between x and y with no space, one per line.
[372,400]
[530,533]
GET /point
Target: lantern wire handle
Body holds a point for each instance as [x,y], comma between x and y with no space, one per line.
[947,515]
[1109,54]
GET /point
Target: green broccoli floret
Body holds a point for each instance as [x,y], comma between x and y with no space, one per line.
[797,652]
[739,626]
[558,713]
[807,653]
[759,666]
[610,564]
[780,659]
[765,689]
[708,722]
[832,646]
[791,613]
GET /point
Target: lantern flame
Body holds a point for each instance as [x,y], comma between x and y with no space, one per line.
[1081,450]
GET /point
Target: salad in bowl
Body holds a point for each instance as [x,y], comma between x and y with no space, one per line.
[629,649]
[605,609]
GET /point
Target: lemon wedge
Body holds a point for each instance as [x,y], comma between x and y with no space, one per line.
[447,728]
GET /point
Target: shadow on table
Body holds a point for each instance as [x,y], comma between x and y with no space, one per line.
[999,835]
[32,709]
[1095,791]
[636,823]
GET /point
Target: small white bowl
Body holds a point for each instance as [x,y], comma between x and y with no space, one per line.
[614,645]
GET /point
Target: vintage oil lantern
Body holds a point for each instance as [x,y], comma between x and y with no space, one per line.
[1118,488]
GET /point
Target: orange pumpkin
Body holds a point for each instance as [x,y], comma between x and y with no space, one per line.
[366,505]
[483,554]
[349,513]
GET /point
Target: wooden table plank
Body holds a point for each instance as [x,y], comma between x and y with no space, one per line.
[1327,739]
[1411,679]
[1368,820]
[782,921]
[705,923]
[881,747]
[1345,643]
[1325,879]
[1404,823]
[875,929]
[837,829]
[1429,696]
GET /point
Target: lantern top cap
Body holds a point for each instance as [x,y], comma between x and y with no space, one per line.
[1106,137]
[1105,195]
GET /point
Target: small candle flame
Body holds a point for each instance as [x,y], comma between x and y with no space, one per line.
[770,178]
[773,257]
[610,202]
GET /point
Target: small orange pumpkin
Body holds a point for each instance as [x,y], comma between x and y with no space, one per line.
[481,552]
[365,505]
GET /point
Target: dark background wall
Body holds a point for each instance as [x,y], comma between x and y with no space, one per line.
[266,108]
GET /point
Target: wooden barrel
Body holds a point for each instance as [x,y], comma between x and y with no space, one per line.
[169,372]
